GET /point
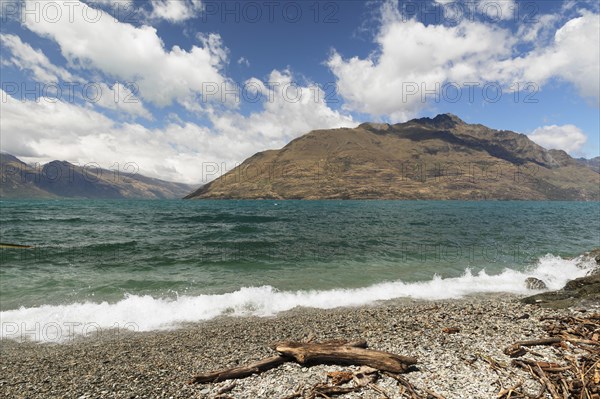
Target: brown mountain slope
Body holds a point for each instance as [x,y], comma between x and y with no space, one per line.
[439,158]
[60,179]
[593,163]
[16,179]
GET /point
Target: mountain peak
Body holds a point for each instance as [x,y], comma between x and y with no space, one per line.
[449,117]
[374,126]
[56,162]
[446,121]
[6,157]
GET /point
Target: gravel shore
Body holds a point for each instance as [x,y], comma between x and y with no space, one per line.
[160,364]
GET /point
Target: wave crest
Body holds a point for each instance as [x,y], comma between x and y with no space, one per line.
[58,323]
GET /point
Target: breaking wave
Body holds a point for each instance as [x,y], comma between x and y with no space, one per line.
[57,323]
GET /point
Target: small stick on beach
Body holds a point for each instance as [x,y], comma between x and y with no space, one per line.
[517,350]
[240,372]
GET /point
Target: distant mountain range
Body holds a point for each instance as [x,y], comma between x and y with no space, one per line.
[60,179]
[593,163]
[439,158]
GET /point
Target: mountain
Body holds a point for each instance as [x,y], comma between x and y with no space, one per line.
[439,158]
[593,163]
[11,184]
[60,179]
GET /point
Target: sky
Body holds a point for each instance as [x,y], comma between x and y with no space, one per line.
[184,89]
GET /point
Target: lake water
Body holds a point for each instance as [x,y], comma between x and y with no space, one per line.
[155,264]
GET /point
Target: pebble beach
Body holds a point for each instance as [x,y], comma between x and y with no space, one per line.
[160,364]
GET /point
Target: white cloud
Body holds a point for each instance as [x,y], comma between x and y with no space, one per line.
[66,131]
[120,98]
[289,110]
[175,10]
[243,61]
[576,52]
[110,2]
[180,151]
[23,56]
[214,44]
[495,10]
[135,54]
[38,128]
[412,55]
[573,56]
[539,30]
[566,137]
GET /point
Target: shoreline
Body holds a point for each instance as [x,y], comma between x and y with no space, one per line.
[160,363]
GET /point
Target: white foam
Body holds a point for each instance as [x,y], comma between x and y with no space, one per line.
[145,313]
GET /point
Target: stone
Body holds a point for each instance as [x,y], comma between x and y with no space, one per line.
[576,292]
[533,283]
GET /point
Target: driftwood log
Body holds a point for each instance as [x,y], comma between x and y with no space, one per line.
[325,353]
[331,352]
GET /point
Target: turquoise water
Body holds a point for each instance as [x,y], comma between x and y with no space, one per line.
[104,249]
[90,252]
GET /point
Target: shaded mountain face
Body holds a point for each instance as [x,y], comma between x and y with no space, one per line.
[593,163]
[427,158]
[60,179]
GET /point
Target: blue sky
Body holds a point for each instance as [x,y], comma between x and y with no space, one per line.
[155,82]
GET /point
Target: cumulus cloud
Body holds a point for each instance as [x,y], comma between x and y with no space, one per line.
[117,97]
[121,98]
[135,54]
[25,57]
[566,137]
[573,56]
[81,134]
[411,53]
[576,53]
[214,44]
[289,109]
[179,151]
[539,30]
[57,125]
[175,10]
[495,10]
